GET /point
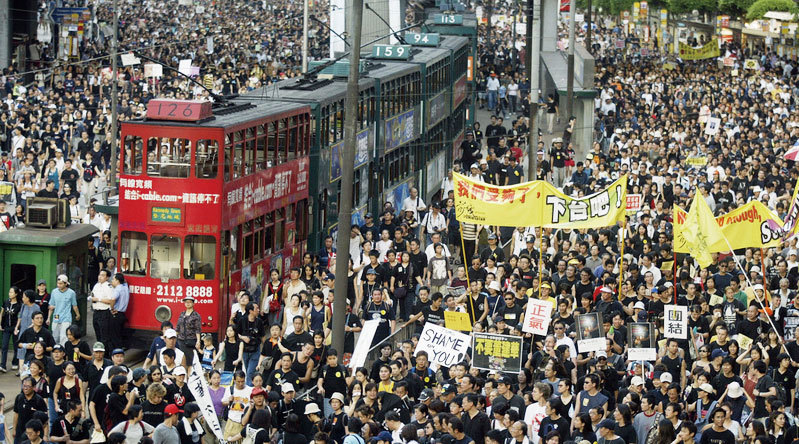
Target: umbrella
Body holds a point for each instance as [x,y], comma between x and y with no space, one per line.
[793,153]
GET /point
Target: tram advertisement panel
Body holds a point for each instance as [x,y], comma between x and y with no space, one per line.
[265,191]
[459,91]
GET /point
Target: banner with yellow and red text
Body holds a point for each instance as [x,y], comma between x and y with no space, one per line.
[537,204]
[749,226]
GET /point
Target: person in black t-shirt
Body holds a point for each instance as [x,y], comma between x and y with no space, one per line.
[717,434]
[69,175]
[430,313]
[68,424]
[26,405]
[294,340]
[250,329]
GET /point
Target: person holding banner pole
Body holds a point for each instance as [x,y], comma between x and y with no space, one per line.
[763,307]
[468,284]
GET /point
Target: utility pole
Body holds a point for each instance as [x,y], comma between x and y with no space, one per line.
[570,59]
[534,49]
[305,36]
[588,30]
[347,162]
[114,98]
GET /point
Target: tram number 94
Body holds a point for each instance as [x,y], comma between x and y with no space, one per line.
[178,291]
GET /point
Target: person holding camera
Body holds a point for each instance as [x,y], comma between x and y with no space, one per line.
[433,222]
[70,427]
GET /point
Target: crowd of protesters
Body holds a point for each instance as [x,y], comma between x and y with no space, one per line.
[274,376]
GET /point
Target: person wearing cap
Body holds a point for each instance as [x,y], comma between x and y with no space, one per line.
[63,302]
[102,299]
[505,394]
[606,434]
[492,250]
[118,360]
[257,402]
[42,298]
[167,432]
[189,328]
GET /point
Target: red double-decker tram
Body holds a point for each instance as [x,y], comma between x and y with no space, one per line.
[210,200]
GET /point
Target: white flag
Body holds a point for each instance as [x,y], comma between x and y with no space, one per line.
[199,389]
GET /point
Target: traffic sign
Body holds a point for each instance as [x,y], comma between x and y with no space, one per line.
[57,14]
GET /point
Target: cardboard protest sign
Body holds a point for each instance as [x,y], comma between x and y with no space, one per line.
[589,333]
[444,347]
[537,316]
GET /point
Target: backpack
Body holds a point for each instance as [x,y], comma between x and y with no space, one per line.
[781,393]
[652,435]
[226,410]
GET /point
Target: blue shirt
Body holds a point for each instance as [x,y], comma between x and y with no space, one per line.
[123,296]
[62,303]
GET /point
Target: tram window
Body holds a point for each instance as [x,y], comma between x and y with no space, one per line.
[199,256]
[269,233]
[134,150]
[207,159]
[271,145]
[291,151]
[228,157]
[260,149]
[280,222]
[133,253]
[246,232]
[258,238]
[165,256]
[170,158]
[249,152]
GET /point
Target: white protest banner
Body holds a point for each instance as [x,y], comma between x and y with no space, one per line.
[153,70]
[199,389]
[676,319]
[712,126]
[184,67]
[537,316]
[364,343]
[443,346]
[129,59]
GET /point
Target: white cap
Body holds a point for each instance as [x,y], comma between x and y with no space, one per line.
[601,354]
[666,377]
[63,278]
[179,370]
[640,305]
[287,387]
[757,287]
[170,333]
[637,380]
[311,408]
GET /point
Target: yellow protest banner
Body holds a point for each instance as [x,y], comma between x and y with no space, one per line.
[751,64]
[749,226]
[456,320]
[536,204]
[696,161]
[708,51]
[485,204]
[715,300]
[600,209]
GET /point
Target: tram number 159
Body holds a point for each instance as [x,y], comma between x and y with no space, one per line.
[178,291]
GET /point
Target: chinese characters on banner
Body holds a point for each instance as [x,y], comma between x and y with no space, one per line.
[676,321]
[443,346]
[199,389]
[537,317]
[537,204]
[500,353]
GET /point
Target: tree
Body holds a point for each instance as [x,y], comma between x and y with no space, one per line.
[759,8]
[735,8]
[686,6]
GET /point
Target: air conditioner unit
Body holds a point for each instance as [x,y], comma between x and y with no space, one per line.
[41,214]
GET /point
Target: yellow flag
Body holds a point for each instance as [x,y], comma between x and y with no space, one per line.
[701,231]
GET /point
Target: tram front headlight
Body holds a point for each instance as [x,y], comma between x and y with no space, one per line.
[163,313]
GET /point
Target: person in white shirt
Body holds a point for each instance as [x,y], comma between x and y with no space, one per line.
[537,411]
[415,202]
[430,251]
[102,299]
[433,222]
